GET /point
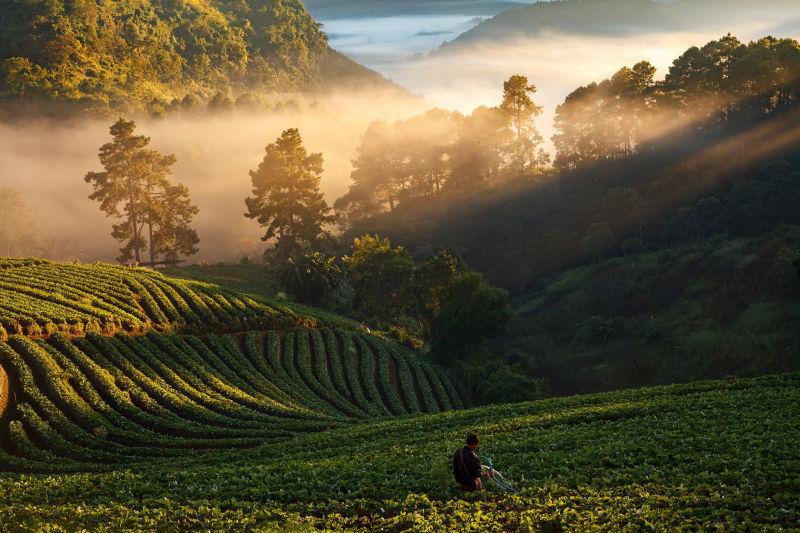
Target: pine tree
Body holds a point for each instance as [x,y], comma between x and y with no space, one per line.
[286,198]
[520,109]
[135,190]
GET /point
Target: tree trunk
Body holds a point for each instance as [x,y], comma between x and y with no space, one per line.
[152,248]
[281,243]
[135,229]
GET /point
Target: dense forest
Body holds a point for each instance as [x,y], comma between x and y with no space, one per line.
[667,224]
[153,55]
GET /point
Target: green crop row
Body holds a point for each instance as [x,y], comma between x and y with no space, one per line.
[109,402]
[40,298]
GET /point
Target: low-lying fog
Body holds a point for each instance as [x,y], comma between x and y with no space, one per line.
[465,78]
[46,163]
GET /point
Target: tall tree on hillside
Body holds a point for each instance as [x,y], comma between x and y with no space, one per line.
[286,198]
[699,81]
[631,89]
[374,174]
[520,109]
[581,128]
[605,120]
[135,190]
[424,144]
[17,225]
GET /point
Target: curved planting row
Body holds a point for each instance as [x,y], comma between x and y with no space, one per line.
[39,299]
[101,402]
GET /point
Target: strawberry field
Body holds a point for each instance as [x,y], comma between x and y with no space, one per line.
[99,403]
[712,455]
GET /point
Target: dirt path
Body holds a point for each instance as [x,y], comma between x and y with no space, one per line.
[7,395]
[394,379]
[5,391]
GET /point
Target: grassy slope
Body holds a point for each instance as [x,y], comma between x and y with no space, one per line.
[252,279]
[706,455]
[688,313]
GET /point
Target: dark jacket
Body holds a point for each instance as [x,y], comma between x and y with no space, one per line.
[466,466]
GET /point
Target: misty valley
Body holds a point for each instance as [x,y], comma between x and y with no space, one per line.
[399,266]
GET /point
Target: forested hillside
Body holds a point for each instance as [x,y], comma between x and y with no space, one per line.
[658,248]
[640,164]
[153,54]
[723,307]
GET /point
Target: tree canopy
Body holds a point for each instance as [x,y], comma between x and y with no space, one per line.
[439,152]
[133,55]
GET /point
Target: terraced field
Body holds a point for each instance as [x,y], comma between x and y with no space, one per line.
[39,298]
[99,372]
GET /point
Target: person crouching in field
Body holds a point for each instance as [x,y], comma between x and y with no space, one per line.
[467,467]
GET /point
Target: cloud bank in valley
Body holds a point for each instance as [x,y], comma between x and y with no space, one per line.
[46,161]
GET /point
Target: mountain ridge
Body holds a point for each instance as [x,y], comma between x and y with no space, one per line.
[609,17]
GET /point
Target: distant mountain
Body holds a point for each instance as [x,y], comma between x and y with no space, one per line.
[338,9]
[143,54]
[620,17]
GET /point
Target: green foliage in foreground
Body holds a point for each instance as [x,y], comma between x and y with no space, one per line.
[712,455]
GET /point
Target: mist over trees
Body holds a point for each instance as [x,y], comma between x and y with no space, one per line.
[639,164]
[724,85]
[152,214]
[442,151]
[520,111]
